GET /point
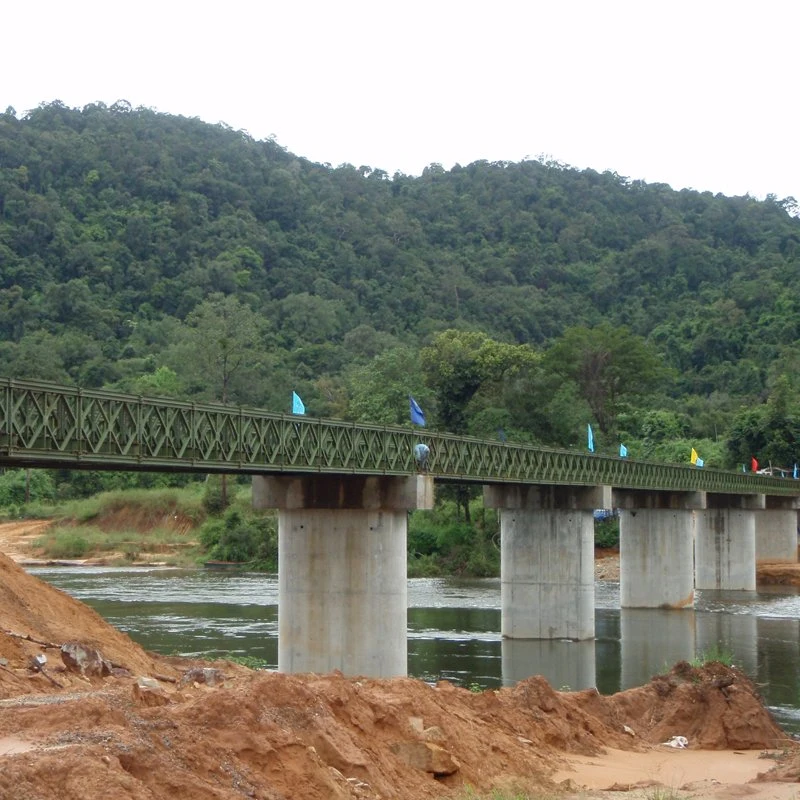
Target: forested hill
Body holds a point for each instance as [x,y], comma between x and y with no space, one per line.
[124,232]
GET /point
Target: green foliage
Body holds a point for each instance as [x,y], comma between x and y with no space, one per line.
[713,653]
[770,431]
[611,367]
[606,533]
[40,487]
[529,297]
[215,499]
[251,539]
[439,543]
[65,544]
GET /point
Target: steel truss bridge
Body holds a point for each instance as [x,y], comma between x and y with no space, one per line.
[48,425]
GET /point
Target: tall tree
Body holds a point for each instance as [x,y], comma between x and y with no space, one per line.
[222,338]
[610,366]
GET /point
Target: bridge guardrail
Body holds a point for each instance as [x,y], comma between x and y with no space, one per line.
[48,425]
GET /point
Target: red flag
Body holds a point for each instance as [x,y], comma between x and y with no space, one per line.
[754,464]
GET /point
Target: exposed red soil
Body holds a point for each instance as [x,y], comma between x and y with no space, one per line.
[64,736]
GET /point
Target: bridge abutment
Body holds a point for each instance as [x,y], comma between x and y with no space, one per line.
[656,548]
[342,583]
[547,559]
[725,542]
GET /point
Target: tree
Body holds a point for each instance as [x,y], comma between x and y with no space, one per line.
[770,432]
[458,364]
[222,339]
[610,365]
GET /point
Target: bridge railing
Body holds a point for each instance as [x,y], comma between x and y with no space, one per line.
[48,425]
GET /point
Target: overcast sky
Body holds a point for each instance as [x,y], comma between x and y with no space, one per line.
[700,94]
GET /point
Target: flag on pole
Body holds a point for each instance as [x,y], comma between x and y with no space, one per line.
[744,468]
[754,464]
[700,463]
[417,414]
[297,404]
[623,451]
[590,438]
[694,456]
[794,473]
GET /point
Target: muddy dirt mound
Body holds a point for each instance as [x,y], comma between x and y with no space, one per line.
[182,730]
[48,617]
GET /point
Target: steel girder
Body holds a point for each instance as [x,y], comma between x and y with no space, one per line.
[47,425]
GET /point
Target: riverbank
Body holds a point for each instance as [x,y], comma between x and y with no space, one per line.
[147,726]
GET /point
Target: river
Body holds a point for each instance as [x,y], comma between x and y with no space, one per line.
[454,629]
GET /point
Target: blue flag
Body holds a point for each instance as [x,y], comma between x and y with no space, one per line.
[794,473]
[699,462]
[417,414]
[590,438]
[743,468]
[297,404]
[623,451]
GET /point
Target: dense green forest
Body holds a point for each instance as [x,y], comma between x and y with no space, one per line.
[158,254]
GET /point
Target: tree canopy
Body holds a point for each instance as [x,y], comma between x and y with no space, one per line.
[530,296]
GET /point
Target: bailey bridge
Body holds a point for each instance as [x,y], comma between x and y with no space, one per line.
[343,491]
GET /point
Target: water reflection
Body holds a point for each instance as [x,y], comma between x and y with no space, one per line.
[454,629]
[565,664]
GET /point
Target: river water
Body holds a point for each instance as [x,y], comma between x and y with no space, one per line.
[454,629]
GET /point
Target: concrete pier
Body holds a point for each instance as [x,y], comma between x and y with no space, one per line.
[776,530]
[725,542]
[342,583]
[656,548]
[547,559]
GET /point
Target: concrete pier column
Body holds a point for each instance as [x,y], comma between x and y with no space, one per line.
[776,530]
[725,542]
[342,582]
[547,559]
[656,548]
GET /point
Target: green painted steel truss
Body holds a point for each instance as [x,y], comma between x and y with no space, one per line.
[47,425]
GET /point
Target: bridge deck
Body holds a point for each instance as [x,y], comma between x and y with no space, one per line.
[48,425]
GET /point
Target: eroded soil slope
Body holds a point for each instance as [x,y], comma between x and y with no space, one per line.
[152,727]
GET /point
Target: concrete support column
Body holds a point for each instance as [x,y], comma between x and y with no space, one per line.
[725,548]
[656,547]
[776,534]
[342,583]
[547,559]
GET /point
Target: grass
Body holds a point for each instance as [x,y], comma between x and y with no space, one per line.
[500,794]
[714,653]
[79,531]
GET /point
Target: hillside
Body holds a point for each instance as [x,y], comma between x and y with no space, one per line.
[123,232]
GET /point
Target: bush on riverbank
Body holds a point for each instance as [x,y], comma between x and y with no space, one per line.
[247,538]
[440,542]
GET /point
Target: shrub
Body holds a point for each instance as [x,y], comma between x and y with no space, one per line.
[235,537]
[41,486]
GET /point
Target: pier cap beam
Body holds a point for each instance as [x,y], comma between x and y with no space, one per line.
[743,502]
[635,499]
[782,503]
[528,497]
[364,492]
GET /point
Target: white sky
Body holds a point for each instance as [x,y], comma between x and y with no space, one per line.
[700,94]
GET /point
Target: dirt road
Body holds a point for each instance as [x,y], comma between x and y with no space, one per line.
[17,538]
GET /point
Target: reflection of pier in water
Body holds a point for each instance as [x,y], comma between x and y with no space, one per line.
[633,645]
